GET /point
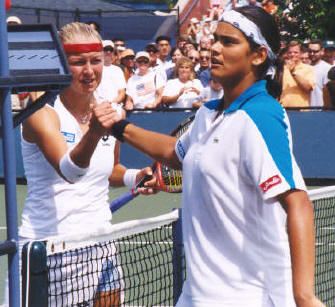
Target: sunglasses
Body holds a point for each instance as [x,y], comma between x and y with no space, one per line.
[129,57]
[314,51]
[204,58]
[110,49]
[142,61]
[195,59]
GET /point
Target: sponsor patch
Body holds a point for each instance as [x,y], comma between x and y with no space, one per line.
[271,182]
[181,150]
[69,137]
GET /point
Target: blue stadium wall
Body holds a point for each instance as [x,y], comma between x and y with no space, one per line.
[313,138]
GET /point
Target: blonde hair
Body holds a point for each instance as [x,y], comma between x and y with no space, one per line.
[77,31]
[187,62]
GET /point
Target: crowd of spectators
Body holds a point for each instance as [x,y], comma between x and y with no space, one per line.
[143,80]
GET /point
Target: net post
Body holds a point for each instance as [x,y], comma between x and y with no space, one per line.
[35,274]
[178,258]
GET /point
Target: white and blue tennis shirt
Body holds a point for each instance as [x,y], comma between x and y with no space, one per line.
[234,166]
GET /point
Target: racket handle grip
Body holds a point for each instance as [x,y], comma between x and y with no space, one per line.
[122,200]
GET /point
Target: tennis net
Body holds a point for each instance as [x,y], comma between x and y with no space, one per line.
[143,262]
[324,216]
[136,263]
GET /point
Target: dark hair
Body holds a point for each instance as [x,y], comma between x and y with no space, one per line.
[331,73]
[115,39]
[96,25]
[304,50]
[163,38]
[174,49]
[316,42]
[270,31]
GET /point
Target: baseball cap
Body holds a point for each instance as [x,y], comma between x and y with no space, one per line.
[328,44]
[127,52]
[107,42]
[194,20]
[142,54]
[151,47]
[14,19]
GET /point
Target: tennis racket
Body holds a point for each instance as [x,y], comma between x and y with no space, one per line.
[168,179]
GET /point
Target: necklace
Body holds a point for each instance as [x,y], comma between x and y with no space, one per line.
[83,119]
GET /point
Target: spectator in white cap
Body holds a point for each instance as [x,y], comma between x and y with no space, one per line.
[113,84]
[194,30]
[13,20]
[144,88]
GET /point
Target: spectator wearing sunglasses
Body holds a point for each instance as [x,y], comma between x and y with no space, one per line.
[194,56]
[128,63]
[321,69]
[204,73]
[144,88]
[113,83]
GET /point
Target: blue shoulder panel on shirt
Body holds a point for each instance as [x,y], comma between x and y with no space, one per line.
[212,104]
[268,116]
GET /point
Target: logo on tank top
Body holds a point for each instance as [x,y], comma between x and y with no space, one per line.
[271,182]
[69,137]
[106,140]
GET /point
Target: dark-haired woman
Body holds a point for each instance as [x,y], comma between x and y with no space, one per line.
[247,220]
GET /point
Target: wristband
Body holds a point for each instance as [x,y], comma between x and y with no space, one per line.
[71,172]
[118,129]
[129,177]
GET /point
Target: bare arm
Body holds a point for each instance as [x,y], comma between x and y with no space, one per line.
[159,93]
[116,178]
[121,95]
[172,99]
[326,97]
[129,104]
[158,146]
[300,223]
[302,80]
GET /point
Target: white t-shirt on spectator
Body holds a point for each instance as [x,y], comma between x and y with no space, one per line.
[321,72]
[174,86]
[209,93]
[165,65]
[111,82]
[142,89]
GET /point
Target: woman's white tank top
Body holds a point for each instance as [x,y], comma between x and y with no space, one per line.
[54,206]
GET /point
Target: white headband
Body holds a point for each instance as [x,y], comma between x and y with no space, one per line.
[249,29]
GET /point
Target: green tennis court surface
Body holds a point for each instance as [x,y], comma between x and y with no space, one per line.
[140,207]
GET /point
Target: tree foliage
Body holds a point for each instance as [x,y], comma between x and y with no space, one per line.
[307,19]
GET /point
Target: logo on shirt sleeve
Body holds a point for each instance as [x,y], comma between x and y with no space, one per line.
[180,149]
[271,182]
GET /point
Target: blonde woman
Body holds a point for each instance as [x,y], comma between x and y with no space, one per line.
[184,90]
[70,160]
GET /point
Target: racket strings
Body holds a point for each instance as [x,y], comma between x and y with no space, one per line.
[172,179]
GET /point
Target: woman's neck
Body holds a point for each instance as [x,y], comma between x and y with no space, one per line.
[232,90]
[77,104]
[184,80]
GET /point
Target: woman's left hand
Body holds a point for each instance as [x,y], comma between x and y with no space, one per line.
[103,117]
[149,186]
